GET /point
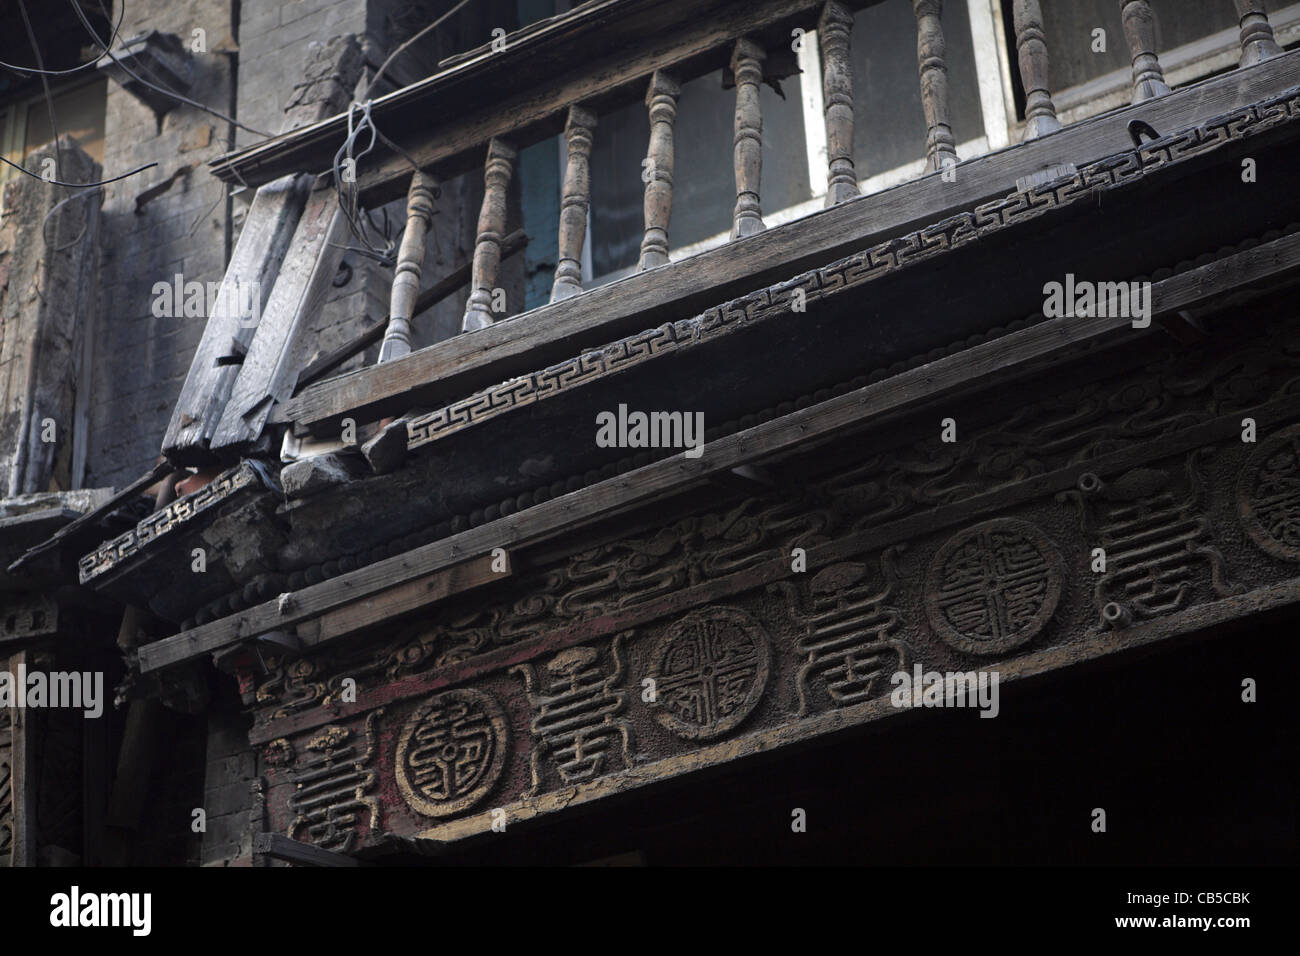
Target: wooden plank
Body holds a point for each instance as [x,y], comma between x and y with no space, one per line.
[277,846]
[401,599]
[22,775]
[254,266]
[155,474]
[558,330]
[268,373]
[1000,361]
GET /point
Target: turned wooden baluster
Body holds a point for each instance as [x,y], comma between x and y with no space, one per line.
[1140,31]
[491,228]
[837,92]
[1031,47]
[747,67]
[661,100]
[573,207]
[410,260]
[940,146]
[1257,42]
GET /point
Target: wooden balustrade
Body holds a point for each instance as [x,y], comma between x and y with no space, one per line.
[410,262]
[834,30]
[837,91]
[574,203]
[1031,50]
[661,102]
[501,158]
[747,67]
[940,146]
[1140,32]
[1257,41]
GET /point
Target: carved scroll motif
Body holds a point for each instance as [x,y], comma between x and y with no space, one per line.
[491,230]
[576,724]
[847,641]
[334,787]
[992,588]
[451,752]
[710,670]
[575,202]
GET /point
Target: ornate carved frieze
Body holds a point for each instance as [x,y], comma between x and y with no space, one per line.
[112,553]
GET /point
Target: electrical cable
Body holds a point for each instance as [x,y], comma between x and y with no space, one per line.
[76,69]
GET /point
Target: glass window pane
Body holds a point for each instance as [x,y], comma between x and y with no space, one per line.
[888,121]
[704,185]
[79,113]
[1069,25]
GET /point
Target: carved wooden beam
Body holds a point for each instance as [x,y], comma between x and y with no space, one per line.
[661,100]
[837,91]
[940,146]
[410,261]
[573,207]
[1031,46]
[747,65]
[1140,32]
[491,228]
[1257,42]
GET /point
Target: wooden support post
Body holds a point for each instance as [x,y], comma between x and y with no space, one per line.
[22,776]
[573,206]
[410,261]
[1140,32]
[1257,41]
[491,229]
[931,58]
[269,370]
[661,101]
[747,66]
[837,92]
[1031,46]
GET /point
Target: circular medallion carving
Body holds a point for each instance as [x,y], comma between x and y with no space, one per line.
[710,669]
[1268,495]
[993,587]
[451,752]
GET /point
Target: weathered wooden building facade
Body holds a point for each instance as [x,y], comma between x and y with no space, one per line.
[423,609]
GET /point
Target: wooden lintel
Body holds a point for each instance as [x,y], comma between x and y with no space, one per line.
[277,846]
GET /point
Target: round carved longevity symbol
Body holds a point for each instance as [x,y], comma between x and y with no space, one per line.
[993,587]
[1268,495]
[710,669]
[451,751]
